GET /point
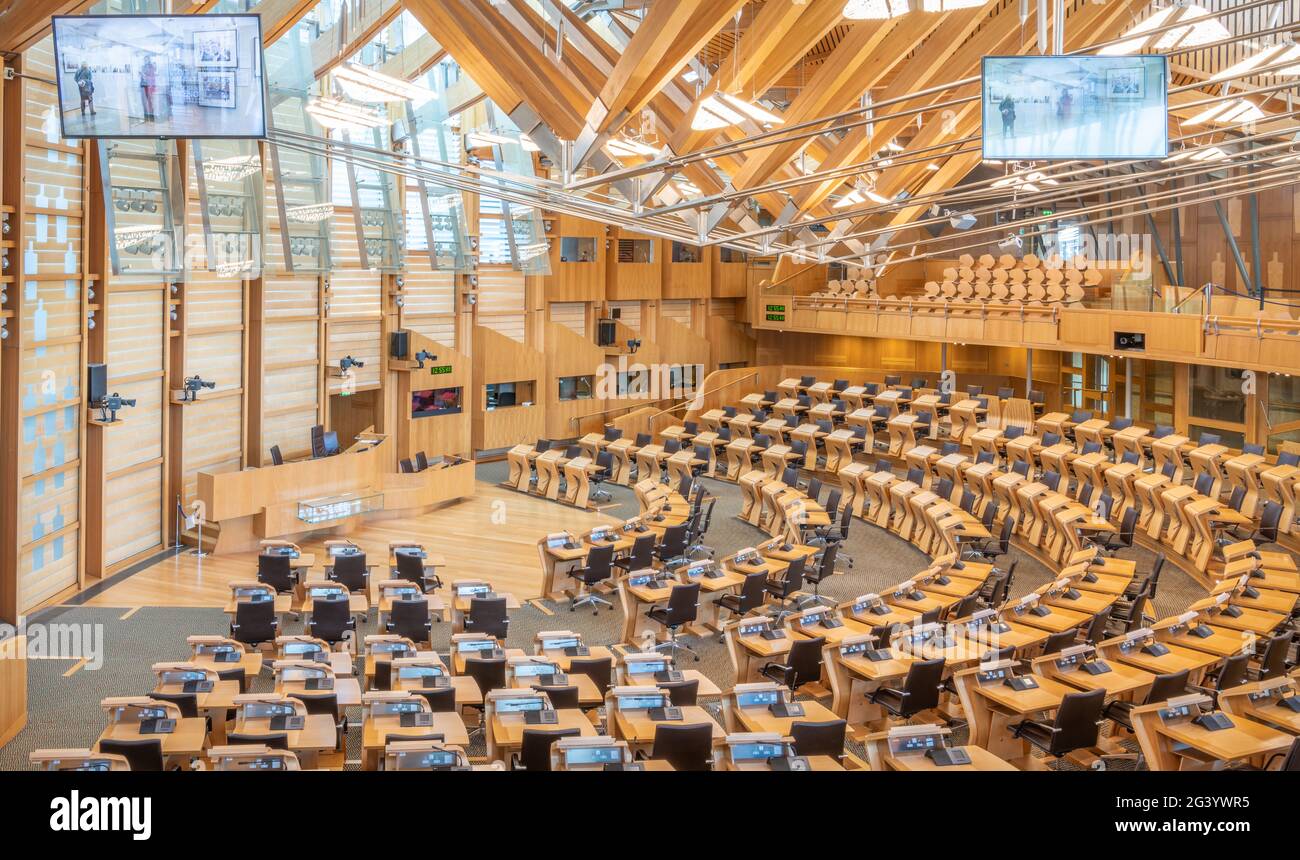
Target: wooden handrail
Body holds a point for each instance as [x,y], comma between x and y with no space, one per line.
[672,408]
[675,407]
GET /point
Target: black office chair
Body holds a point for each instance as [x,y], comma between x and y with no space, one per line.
[405,466]
[330,442]
[383,679]
[671,551]
[824,738]
[535,748]
[1096,629]
[350,571]
[1290,760]
[641,556]
[1209,439]
[273,569]
[421,461]
[989,549]
[411,568]
[255,622]
[920,690]
[891,379]
[1058,642]
[325,703]
[784,589]
[1232,672]
[681,694]
[683,608]
[966,606]
[599,669]
[544,445]
[1272,660]
[142,754]
[187,702]
[613,434]
[930,616]
[488,615]
[563,697]
[1163,688]
[277,458]
[1122,539]
[442,700]
[331,618]
[1270,519]
[276,741]
[1077,723]
[603,473]
[598,569]
[747,599]
[410,618]
[824,569]
[993,592]
[1203,484]
[489,673]
[686,748]
[318,442]
[803,664]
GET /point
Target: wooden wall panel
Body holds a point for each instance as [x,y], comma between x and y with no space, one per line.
[361,341]
[136,518]
[139,438]
[212,440]
[571,315]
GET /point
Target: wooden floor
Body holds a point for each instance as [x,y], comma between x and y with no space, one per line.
[492,535]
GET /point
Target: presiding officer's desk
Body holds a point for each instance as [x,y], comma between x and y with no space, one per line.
[263,503]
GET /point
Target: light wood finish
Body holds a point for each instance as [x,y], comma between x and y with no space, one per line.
[470,535]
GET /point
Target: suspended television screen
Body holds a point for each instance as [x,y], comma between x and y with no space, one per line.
[152,76]
[1066,107]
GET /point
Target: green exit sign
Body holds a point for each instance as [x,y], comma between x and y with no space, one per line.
[440,369]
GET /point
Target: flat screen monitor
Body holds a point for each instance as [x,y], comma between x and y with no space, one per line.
[435,401]
[1064,107]
[194,76]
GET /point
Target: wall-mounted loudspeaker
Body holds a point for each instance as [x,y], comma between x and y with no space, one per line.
[96,383]
[399,344]
[605,333]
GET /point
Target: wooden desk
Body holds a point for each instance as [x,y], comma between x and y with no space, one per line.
[508,729]
[994,708]
[375,730]
[638,729]
[318,734]
[760,719]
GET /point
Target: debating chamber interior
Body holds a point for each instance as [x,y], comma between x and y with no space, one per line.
[738,385]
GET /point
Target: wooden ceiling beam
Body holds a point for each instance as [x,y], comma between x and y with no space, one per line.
[664,41]
[870,51]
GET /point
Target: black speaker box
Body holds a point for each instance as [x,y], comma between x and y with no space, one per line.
[399,344]
[96,383]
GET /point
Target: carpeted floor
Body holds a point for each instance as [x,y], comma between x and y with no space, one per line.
[64,711]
